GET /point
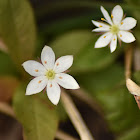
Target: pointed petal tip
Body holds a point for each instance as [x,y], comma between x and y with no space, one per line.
[23,64]
[101,7]
[118,6]
[47,47]
[76,87]
[28,93]
[112,51]
[71,57]
[55,103]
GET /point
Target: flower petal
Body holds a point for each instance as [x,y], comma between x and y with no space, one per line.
[117,14]
[113,43]
[53,92]
[100,24]
[36,85]
[128,23]
[63,63]
[34,68]
[126,37]
[106,15]
[48,57]
[103,40]
[66,81]
[101,29]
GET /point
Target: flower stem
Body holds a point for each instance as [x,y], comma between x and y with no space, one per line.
[75,117]
[128,62]
[64,136]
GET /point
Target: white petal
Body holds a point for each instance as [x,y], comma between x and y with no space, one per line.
[106,15]
[66,81]
[101,29]
[48,57]
[34,68]
[36,85]
[128,23]
[53,92]
[117,14]
[126,37]
[113,44]
[100,24]
[63,63]
[103,40]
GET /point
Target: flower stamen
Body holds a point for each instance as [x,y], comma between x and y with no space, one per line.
[114,29]
[36,70]
[50,74]
[102,19]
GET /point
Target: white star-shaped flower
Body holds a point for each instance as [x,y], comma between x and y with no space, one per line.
[116,27]
[49,75]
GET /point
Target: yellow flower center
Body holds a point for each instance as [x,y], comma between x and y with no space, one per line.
[114,29]
[50,74]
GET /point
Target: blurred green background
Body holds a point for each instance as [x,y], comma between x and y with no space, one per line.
[65,25]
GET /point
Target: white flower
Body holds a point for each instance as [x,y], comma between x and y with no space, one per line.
[49,74]
[116,27]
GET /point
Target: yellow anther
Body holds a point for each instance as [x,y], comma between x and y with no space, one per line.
[39,81]
[120,35]
[100,26]
[114,39]
[102,19]
[104,36]
[36,70]
[111,16]
[50,85]
[60,77]
[121,23]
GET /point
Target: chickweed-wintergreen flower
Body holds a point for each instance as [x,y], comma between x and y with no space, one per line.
[117,27]
[50,75]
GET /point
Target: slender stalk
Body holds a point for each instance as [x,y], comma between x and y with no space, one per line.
[64,136]
[132,87]
[75,117]
[128,62]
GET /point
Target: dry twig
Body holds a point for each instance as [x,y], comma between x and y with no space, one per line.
[75,117]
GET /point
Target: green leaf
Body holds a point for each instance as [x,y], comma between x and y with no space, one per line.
[72,42]
[120,109]
[80,43]
[93,59]
[17,29]
[36,114]
[7,67]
